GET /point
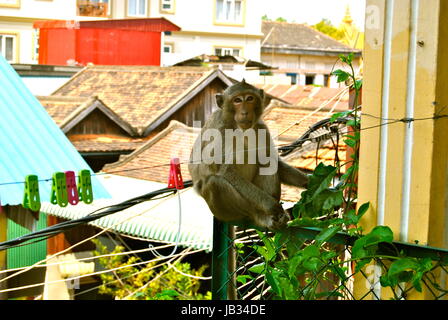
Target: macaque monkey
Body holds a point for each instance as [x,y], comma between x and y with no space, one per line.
[235,166]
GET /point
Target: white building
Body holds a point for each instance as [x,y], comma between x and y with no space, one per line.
[208,26]
[303,55]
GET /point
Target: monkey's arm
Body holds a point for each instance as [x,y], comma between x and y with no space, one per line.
[291,176]
[255,196]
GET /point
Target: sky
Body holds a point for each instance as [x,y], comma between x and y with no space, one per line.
[313,11]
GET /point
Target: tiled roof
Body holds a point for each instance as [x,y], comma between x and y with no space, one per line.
[326,153]
[291,122]
[62,109]
[295,36]
[151,161]
[105,143]
[308,96]
[138,94]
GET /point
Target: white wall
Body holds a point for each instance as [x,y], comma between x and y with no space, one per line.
[200,32]
[55,9]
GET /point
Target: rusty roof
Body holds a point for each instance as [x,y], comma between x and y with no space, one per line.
[309,96]
[152,160]
[140,95]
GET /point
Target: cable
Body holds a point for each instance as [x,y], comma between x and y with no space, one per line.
[95,273]
[155,252]
[75,245]
[60,227]
[404,120]
[87,258]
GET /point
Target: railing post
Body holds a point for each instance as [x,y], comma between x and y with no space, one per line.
[220,260]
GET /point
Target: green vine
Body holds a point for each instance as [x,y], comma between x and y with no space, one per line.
[298,268]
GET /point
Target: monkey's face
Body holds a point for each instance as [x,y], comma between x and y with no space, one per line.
[245,106]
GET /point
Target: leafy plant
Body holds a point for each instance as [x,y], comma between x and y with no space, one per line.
[296,268]
[149,282]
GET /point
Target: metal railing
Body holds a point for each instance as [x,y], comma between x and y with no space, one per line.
[235,253]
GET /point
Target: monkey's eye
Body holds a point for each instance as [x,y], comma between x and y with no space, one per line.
[250,98]
[237,100]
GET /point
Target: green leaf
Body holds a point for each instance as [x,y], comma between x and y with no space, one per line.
[348,59]
[312,264]
[307,222]
[272,281]
[365,247]
[401,265]
[270,251]
[293,263]
[363,209]
[341,75]
[351,143]
[352,218]
[327,234]
[358,84]
[258,268]
[311,251]
[242,278]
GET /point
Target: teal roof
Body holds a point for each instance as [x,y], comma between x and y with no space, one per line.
[31,143]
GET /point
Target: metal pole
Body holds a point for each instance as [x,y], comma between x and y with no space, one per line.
[220,261]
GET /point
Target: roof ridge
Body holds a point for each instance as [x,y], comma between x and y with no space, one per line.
[173,125]
[61,98]
[317,32]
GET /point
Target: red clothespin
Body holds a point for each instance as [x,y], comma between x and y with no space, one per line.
[175,179]
[72,190]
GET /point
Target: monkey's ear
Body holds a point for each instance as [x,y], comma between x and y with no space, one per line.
[219,100]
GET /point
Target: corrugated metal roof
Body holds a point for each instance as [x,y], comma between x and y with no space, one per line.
[157,219]
[31,142]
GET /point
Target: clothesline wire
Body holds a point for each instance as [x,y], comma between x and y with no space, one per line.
[390,121]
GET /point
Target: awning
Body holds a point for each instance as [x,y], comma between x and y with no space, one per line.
[156,219]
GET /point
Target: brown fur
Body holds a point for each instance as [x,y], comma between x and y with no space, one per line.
[238,192]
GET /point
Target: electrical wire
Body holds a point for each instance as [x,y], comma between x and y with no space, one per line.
[74,245]
[155,252]
[88,258]
[97,272]
[97,214]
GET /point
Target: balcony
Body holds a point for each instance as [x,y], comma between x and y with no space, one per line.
[92,9]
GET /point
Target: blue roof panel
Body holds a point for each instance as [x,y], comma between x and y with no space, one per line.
[31,142]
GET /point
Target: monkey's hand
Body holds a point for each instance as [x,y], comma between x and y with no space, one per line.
[279,218]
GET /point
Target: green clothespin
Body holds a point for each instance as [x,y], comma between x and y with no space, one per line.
[85,186]
[31,198]
[59,190]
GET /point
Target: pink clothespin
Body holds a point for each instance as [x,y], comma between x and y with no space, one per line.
[175,178]
[72,190]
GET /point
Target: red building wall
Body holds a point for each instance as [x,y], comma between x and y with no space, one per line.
[99,46]
[110,42]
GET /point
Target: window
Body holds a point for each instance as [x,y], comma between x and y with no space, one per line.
[35,55]
[168,48]
[167,6]
[93,8]
[137,8]
[7,46]
[309,79]
[326,80]
[229,11]
[293,77]
[227,51]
